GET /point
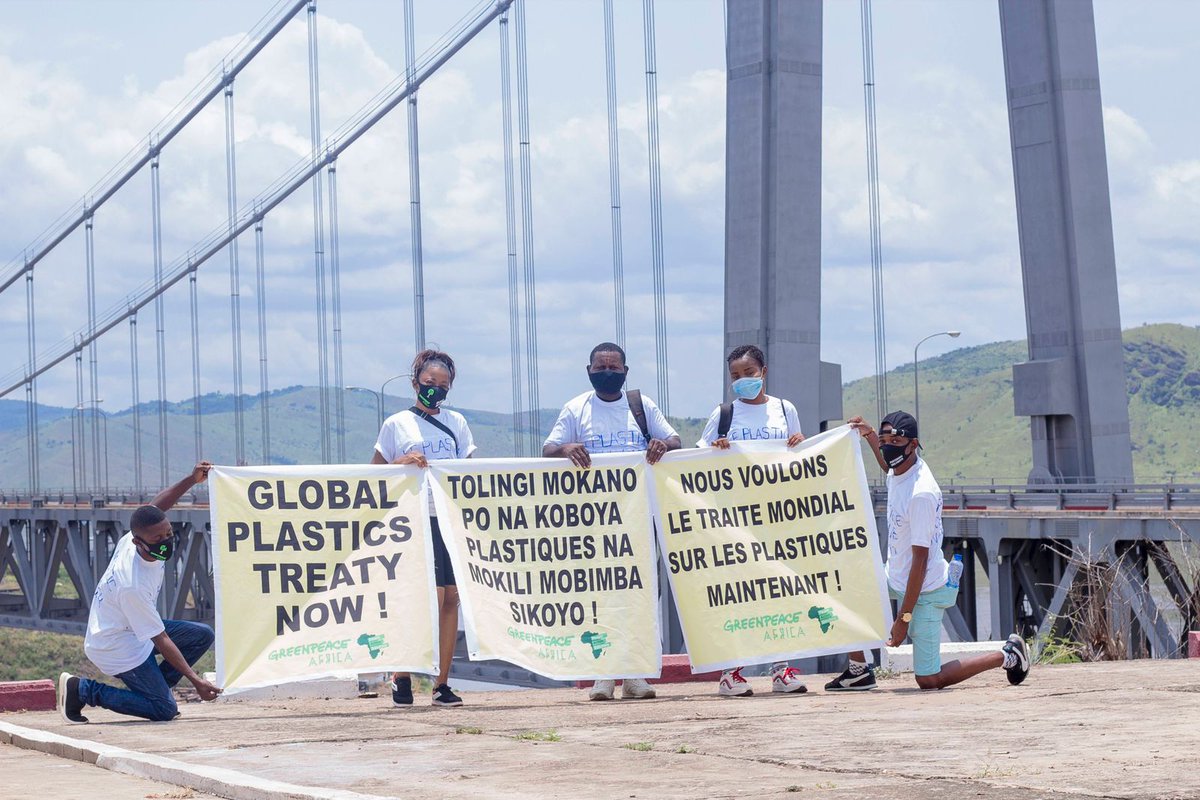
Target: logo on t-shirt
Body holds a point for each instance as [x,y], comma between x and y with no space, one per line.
[617,440]
[437,447]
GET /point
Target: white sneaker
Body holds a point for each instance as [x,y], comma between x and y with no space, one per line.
[602,690]
[732,684]
[784,679]
[636,689]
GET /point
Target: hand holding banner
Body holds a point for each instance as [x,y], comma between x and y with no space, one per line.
[323,576]
[772,553]
[555,564]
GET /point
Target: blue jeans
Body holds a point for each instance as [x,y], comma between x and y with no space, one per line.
[149,693]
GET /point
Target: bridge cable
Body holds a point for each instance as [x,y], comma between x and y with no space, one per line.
[235,300]
[414,182]
[656,238]
[260,278]
[614,172]
[527,229]
[314,126]
[510,219]
[160,334]
[877,295]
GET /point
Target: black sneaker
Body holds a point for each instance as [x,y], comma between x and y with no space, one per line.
[1016,646]
[69,704]
[402,692]
[443,696]
[849,682]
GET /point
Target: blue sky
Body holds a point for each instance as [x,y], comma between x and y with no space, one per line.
[84,81]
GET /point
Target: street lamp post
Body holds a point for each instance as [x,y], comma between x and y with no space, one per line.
[378,399]
[383,396]
[916,383]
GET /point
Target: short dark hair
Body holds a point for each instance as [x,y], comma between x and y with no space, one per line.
[146,517]
[607,347]
[743,350]
[427,357]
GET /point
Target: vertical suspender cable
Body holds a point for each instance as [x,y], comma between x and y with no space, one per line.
[160,336]
[531,370]
[656,241]
[335,297]
[235,283]
[414,181]
[314,126]
[868,50]
[93,366]
[31,413]
[197,426]
[614,171]
[135,391]
[260,274]
[77,413]
[510,219]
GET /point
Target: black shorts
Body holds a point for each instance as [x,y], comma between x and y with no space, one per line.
[443,571]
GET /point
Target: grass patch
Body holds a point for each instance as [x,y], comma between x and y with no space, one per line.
[474,731]
[792,788]
[539,736]
[37,655]
[641,747]
[683,748]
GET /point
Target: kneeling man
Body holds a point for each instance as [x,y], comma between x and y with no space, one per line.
[125,631]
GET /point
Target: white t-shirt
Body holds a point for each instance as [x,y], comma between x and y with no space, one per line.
[914,517]
[604,427]
[774,419]
[124,615]
[405,432]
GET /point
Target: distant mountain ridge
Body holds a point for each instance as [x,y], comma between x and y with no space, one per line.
[968,428]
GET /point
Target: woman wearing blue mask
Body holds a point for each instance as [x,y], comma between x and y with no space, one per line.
[753,415]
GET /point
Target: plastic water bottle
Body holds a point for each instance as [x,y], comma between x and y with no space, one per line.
[955,571]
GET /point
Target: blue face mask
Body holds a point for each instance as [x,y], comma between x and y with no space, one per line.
[747,388]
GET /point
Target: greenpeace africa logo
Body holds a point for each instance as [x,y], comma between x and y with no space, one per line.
[823,615]
[375,644]
[597,641]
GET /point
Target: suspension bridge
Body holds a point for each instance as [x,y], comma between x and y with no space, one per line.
[1026,541]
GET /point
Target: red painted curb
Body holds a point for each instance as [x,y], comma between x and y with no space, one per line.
[1194,644]
[27,696]
[675,669]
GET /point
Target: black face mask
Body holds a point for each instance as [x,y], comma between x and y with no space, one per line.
[607,381]
[893,454]
[431,396]
[161,551]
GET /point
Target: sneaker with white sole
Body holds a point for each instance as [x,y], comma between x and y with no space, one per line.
[849,682]
[636,689]
[732,684]
[602,690]
[1016,646]
[402,696]
[786,680]
[69,704]
[443,695]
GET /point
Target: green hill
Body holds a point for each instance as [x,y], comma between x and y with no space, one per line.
[968,427]
[969,431]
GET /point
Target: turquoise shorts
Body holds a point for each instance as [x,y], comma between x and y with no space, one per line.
[925,630]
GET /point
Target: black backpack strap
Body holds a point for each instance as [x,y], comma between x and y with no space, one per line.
[725,420]
[634,396]
[435,422]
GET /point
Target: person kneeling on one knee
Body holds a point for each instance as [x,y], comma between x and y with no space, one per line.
[125,631]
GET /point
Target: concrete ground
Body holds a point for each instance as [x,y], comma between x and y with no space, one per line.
[1120,730]
[29,775]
